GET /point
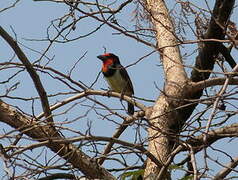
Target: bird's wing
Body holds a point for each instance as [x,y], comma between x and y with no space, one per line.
[125,76]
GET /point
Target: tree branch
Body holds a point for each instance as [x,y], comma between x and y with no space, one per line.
[227,55]
[34,76]
[118,133]
[68,151]
[229,167]
[89,92]
[214,135]
[59,176]
[209,51]
[216,30]
[198,86]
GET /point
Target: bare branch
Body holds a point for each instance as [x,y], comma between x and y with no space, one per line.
[58,176]
[96,92]
[35,78]
[67,151]
[229,167]
[11,6]
[215,104]
[216,29]
[197,86]
[214,135]
[117,134]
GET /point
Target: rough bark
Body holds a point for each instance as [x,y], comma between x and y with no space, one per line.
[164,118]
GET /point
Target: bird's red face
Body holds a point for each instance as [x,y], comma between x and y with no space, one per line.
[108,59]
[106,64]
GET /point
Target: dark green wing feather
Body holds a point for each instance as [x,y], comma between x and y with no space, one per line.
[124,74]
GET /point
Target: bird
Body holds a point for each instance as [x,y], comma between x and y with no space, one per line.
[117,77]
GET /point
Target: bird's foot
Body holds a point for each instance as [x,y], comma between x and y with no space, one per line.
[122,95]
[109,92]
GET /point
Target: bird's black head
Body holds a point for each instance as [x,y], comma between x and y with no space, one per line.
[105,57]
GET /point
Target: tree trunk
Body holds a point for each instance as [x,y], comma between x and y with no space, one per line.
[167,116]
[163,116]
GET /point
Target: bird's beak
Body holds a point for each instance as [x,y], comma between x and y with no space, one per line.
[102,57]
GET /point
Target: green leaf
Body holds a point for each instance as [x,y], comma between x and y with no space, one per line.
[133,175]
[174,166]
[187,177]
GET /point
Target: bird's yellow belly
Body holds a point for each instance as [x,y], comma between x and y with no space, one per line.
[117,84]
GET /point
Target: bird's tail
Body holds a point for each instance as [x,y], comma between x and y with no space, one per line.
[130,109]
